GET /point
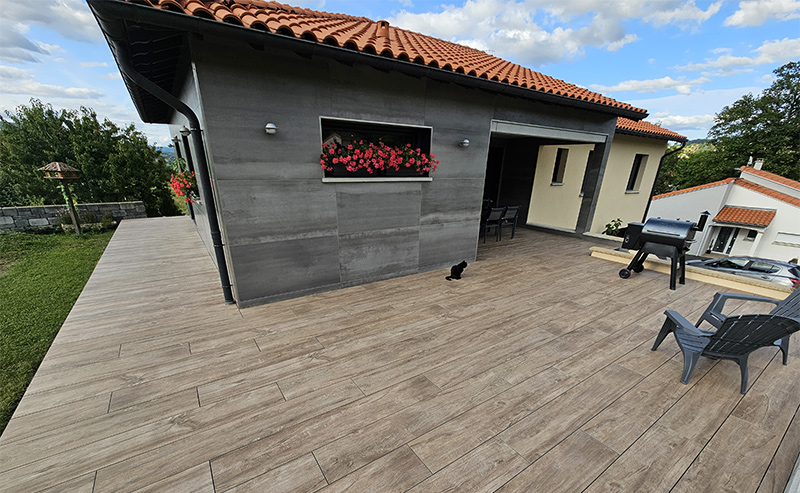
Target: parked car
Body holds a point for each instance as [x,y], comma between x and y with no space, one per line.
[775,271]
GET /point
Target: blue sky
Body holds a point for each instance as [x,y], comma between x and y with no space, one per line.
[681,60]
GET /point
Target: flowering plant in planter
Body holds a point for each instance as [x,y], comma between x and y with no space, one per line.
[376,158]
[185,185]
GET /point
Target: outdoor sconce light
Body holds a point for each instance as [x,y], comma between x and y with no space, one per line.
[184,131]
[464,143]
[271,128]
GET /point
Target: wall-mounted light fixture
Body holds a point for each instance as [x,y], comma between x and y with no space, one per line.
[464,143]
[271,128]
[185,131]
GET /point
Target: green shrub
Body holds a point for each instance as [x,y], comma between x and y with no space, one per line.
[107,220]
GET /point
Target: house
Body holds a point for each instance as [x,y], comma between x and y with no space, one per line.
[756,214]
[627,184]
[252,89]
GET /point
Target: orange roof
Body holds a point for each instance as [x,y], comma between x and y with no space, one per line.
[646,128]
[692,189]
[379,38]
[771,176]
[768,191]
[745,216]
[742,183]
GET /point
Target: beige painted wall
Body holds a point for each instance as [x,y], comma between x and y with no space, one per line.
[557,206]
[614,201]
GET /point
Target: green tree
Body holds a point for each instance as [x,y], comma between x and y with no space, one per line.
[696,164]
[116,164]
[765,126]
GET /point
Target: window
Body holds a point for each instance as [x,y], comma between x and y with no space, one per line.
[586,172]
[787,239]
[348,132]
[560,166]
[188,152]
[751,235]
[635,180]
[732,263]
[763,267]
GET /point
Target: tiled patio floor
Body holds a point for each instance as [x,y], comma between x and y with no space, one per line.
[534,372]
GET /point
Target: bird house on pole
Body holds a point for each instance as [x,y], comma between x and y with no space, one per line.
[64,172]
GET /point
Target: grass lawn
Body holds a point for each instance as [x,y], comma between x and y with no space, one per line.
[41,276]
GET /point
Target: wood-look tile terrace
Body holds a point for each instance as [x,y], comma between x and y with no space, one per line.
[532,372]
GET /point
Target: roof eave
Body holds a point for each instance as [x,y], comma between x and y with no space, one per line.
[115,17]
[668,138]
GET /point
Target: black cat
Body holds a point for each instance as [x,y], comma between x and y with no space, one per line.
[457,270]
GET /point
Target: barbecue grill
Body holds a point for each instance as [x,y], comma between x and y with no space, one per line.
[664,238]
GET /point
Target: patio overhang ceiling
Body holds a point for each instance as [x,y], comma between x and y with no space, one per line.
[156,43]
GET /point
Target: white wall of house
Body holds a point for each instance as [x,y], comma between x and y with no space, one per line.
[778,187]
[557,205]
[689,206]
[774,241]
[615,201]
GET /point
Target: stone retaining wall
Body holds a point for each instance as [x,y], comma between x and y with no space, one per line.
[49,216]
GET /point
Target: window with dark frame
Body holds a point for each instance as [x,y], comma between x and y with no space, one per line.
[635,180]
[560,166]
[586,172]
[345,132]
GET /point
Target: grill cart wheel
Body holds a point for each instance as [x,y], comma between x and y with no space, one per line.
[638,268]
[624,273]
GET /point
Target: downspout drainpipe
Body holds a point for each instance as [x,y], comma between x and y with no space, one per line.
[658,172]
[202,166]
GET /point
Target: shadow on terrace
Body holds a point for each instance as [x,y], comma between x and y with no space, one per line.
[533,371]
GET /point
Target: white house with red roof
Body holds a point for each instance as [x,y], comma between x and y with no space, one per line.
[756,214]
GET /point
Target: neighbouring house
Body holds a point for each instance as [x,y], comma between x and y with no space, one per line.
[253,89]
[756,214]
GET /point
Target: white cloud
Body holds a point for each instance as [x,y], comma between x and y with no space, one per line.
[14,47]
[693,114]
[769,53]
[682,122]
[757,12]
[652,85]
[93,64]
[70,18]
[683,15]
[536,32]
[111,76]
[19,81]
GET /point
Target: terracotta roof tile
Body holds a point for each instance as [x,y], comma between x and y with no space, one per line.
[746,216]
[742,183]
[692,189]
[380,38]
[647,128]
[772,176]
[767,191]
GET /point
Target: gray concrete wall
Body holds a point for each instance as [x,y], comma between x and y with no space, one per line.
[49,216]
[189,95]
[287,232]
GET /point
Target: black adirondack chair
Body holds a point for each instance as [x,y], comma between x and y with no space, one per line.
[736,338]
[788,307]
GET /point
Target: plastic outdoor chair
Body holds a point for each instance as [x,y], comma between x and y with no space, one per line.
[736,338]
[493,221]
[509,217]
[788,307]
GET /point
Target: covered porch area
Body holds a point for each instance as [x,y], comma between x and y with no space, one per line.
[533,372]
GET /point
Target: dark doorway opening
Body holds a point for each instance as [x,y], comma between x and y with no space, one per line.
[510,167]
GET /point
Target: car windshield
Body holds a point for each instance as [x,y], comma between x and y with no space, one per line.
[731,263]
